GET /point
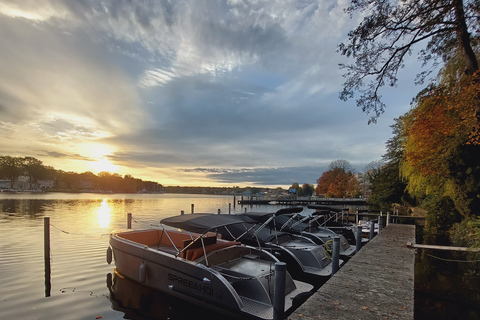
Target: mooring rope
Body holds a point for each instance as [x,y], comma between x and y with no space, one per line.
[451,260]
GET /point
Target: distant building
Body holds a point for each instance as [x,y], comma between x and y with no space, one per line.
[45,184]
[4,184]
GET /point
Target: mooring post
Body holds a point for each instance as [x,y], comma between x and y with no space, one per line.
[129,221]
[279,293]
[229,208]
[388,218]
[218,211]
[380,223]
[336,255]
[358,239]
[182,212]
[193,207]
[46,254]
[372,229]
[234,201]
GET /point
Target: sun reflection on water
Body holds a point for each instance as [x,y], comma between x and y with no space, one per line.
[104,214]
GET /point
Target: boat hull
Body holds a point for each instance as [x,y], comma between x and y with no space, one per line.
[194,282]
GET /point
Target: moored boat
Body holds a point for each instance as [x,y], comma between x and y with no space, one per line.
[306,261]
[290,220]
[203,269]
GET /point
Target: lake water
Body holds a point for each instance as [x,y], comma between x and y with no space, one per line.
[84,286]
[81,279]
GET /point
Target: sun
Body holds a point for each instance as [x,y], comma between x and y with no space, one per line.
[103,164]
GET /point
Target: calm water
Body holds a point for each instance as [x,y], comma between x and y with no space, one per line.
[80,277]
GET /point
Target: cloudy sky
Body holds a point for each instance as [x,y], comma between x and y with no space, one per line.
[241,92]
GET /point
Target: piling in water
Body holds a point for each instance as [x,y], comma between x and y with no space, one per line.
[46,255]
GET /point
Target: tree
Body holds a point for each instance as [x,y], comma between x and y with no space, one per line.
[387,185]
[11,168]
[389,33]
[443,146]
[340,164]
[337,181]
[34,168]
[307,190]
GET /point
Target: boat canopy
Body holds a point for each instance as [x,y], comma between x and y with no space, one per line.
[265,215]
[204,222]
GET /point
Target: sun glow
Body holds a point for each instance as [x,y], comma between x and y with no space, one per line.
[103,164]
[104,214]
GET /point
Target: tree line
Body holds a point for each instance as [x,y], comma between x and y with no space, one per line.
[11,168]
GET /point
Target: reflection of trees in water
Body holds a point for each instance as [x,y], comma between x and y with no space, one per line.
[25,207]
[444,287]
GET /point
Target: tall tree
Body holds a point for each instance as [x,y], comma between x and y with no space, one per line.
[338,182]
[443,144]
[390,31]
[387,185]
[34,168]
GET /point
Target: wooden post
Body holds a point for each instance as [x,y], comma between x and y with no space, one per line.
[388,219]
[358,239]
[129,221]
[46,255]
[279,293]
[192,208]
[218,211]
[229,208]
[372,229]
[336,255]
[380,223]
[182,212]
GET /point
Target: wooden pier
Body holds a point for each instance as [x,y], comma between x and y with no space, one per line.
[376,283]
[348,202]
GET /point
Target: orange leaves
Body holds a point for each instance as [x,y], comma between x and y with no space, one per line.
[446,117]
[338,183]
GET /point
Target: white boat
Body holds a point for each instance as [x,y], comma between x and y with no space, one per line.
[201,268]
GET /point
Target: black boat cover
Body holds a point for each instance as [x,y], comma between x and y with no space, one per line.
[204,222]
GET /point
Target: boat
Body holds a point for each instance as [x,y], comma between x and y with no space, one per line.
[333,219]
[199,267]
[306,261]
[291,221]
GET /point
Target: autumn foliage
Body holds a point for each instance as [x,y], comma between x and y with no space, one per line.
[442,142]
[338,183]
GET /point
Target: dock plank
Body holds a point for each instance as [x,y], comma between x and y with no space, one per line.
[377,283]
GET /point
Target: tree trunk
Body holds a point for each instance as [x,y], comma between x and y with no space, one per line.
[463,37]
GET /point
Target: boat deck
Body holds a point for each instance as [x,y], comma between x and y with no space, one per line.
[248,266]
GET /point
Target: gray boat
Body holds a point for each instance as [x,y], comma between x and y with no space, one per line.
[226,276]
[290,220]
[306,261]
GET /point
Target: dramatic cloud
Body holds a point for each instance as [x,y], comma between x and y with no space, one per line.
[245,90]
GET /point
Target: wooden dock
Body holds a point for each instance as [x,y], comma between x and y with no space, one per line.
[290,202]
[377,283]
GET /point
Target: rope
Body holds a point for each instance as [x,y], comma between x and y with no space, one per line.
[451,260]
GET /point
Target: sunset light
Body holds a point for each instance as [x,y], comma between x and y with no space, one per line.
[104,214]
[103,164]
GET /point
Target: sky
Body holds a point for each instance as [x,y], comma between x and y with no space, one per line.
[190,93]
